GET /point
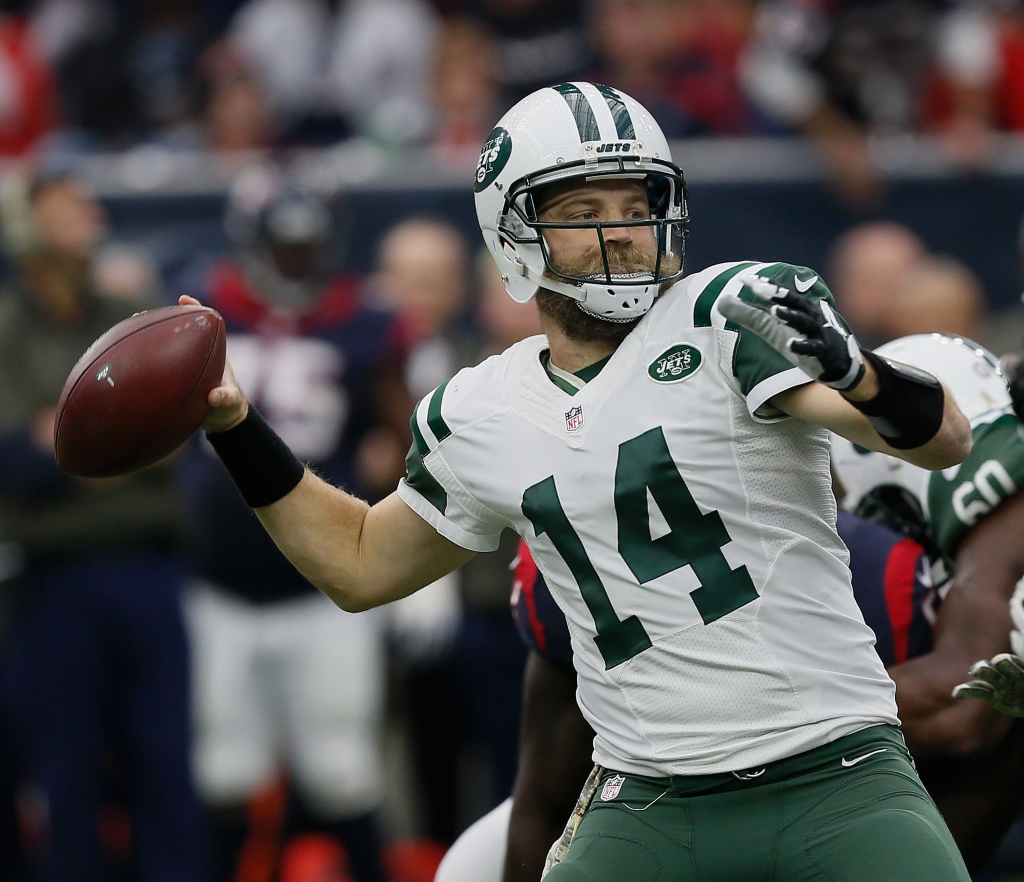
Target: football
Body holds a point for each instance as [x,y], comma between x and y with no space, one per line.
[139,391]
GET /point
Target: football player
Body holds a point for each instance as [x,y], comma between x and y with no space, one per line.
[893,587]
[663,450]
[899,588]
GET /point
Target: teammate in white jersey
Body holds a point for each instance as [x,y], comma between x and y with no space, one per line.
[685,525]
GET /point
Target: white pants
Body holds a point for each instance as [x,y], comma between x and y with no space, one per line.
[478,855]
[297,683]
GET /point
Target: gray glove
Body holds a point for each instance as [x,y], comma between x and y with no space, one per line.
[1017,615]
[1000,682]
[805,332]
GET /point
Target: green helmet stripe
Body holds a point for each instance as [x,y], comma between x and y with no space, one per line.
[620,113]
[586,122]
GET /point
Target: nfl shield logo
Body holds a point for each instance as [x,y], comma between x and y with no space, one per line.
[574,419]
[612,787]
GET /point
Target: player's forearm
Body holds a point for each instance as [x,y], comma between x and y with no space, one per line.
[950,445]
[933,723]
[318,528]
[359,556]
[974,623]
[817,403]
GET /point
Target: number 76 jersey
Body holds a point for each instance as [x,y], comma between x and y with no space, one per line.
[685,528]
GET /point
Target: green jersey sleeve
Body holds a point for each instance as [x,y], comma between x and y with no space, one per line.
[759,368]
[961,496]
[431,489]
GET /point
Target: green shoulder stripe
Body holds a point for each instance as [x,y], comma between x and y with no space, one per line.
[706,299]
[992,472]
[420,479]
[419,441]
[434,419]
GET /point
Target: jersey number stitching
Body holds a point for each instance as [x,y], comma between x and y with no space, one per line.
[694,539]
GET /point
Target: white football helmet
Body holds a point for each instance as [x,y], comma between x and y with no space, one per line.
[586,131]
[978,384]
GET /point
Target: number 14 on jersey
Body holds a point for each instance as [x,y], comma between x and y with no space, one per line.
[694,539]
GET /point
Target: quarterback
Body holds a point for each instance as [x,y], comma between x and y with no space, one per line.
[663,450]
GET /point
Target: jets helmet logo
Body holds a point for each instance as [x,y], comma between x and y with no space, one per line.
[493,157]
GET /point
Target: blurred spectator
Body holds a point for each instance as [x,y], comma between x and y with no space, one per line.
[364,66]
[464,89]
[842,72]
[125,70]
[638,52]
[94,676]
[423,276]
[282,678]
[680,59]
[712,37]
[124,272]
[887,285]
[539,42]
[1010,93]
[75,225]
[867,267]
[28,98]
[502,321]
[235,107]
[937,294]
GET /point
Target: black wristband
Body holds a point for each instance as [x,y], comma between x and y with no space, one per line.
[907,411]
[260,463]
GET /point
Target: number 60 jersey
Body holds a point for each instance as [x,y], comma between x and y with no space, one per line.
[685,528]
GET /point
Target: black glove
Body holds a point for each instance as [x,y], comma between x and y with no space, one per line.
[805,332]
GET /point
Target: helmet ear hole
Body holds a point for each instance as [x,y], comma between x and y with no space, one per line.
[530,207]
[659,193]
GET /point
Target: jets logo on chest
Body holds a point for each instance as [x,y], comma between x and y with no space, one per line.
[574,419]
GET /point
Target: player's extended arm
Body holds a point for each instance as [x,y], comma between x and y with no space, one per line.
[887,407]
[973,623]
[819,404]
[359,556]
[554,758]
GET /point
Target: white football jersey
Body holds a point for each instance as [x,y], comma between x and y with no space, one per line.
[685,528]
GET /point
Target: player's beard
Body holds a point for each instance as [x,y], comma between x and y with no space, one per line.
[573,320]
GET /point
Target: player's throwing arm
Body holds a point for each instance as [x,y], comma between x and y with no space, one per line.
[873,401]
[359,556]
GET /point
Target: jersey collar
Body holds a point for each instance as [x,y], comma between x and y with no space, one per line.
[567,382]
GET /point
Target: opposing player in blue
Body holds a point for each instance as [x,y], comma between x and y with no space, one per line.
[326,370]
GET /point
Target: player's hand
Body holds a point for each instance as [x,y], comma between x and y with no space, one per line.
[228,406]
[1017,615]
[805,332]
[1000,682]
[1013,367]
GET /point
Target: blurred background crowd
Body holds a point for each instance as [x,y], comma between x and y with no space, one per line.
[176,704]
[230,75]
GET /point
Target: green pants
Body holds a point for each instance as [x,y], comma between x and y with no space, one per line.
[851,811]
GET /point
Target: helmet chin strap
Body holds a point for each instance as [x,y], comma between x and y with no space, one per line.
[579,292]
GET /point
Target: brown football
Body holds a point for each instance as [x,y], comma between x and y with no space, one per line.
[139,391]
